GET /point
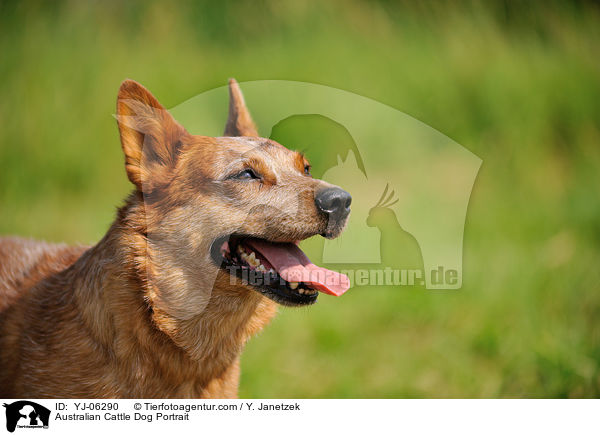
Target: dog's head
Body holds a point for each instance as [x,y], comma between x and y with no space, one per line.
[231,207]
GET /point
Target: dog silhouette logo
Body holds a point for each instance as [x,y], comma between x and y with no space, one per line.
[26,414]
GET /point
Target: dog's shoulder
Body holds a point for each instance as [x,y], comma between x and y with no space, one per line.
[24,262]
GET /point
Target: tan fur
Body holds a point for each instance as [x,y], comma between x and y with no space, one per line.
[145,312]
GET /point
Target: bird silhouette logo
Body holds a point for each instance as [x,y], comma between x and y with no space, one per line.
[399,248]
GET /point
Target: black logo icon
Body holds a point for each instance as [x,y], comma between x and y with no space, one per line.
[26,414]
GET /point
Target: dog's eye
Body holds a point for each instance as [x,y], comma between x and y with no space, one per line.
[247,174]
[307,170]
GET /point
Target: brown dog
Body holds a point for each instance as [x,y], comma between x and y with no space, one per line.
[190,269]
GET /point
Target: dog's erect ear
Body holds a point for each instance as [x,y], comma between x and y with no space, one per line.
[239,122]
[150,137]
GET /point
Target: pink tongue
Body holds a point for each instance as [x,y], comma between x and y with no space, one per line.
[294,266]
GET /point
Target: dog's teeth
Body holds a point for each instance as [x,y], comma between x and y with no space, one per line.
[261,268]
[252,260]
[294,286]
[271,271]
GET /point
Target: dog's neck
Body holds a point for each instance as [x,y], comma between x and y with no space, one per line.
[195,356]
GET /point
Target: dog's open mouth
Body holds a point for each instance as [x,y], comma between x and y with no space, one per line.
[280,271]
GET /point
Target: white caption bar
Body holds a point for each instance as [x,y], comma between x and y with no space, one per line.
[299,416]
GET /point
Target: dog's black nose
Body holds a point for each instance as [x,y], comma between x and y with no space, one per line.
[334,201]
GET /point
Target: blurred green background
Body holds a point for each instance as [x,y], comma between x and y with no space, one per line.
[519,85]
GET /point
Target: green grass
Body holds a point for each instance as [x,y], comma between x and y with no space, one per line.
[520,87]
